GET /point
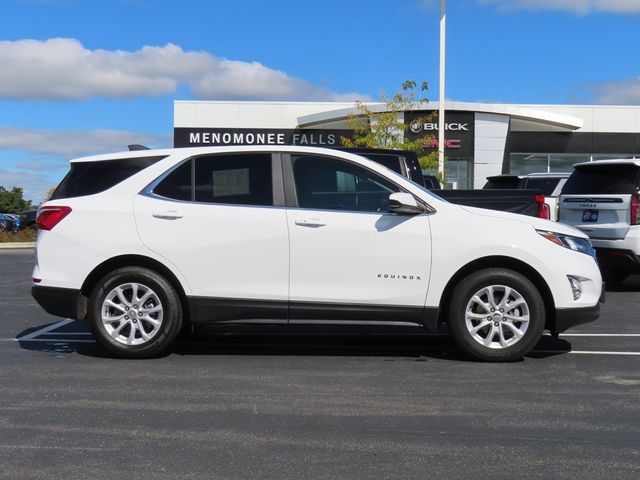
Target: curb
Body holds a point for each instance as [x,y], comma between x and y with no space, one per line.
[16,245]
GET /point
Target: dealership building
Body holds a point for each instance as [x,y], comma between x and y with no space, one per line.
[481,139]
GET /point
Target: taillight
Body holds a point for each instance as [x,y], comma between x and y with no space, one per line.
[543,208]
[635,209]
[49,217]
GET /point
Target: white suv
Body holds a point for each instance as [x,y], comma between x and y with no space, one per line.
[141,243]
[602,199]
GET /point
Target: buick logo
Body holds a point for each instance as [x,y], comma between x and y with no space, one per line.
[415,126]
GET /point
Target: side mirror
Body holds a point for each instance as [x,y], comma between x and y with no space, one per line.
[404,204]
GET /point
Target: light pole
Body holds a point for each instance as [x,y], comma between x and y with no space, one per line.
[441,122]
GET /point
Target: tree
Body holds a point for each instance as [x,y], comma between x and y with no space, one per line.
[387,129]
[11,201]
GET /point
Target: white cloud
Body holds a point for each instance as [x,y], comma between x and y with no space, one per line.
[34,185]
[63,69]
[580,7]
[70,143]
[40,165]
[622,92]
[54,147]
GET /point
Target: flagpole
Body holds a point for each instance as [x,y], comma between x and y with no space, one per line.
[441,122]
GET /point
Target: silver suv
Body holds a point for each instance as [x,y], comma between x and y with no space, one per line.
[602,199]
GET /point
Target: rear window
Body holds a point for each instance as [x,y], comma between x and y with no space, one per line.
[392,162]
[502,183]
[545,185]
[89,178]
[602,179]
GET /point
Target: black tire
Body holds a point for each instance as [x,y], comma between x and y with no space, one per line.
[515,345]
[168,322]
[613,277]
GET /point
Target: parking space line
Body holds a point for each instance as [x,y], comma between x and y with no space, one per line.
[586,352]
[44,330]
[600,334]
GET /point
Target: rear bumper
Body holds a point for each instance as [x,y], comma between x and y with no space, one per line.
[61,302]
[618,259]
[570,317]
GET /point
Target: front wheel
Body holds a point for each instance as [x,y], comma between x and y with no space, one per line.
[135,313]
[496,315]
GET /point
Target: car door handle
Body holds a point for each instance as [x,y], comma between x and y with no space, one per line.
[311,223]
[167,215]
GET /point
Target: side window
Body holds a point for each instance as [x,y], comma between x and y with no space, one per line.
[332,184]
[239,179]
[176,185]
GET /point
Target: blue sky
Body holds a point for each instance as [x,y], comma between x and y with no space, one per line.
[79,77]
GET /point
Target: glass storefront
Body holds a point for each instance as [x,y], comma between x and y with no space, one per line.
[458,173]
[525,163]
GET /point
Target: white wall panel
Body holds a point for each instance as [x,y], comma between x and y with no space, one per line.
[614,120]
[216,115]
[492,144]
[483,170]
[490,140]
[246,114]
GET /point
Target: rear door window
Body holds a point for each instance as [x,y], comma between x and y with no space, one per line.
[237,179]
[177,184]
[602,179]
[89,178]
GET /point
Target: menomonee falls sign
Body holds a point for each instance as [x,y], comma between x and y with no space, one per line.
[199,137]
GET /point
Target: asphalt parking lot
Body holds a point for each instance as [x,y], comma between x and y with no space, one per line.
[237,405]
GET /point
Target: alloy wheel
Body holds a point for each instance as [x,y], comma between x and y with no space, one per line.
[132,314]
[497,316]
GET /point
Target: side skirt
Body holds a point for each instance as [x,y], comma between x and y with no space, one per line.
[210,310]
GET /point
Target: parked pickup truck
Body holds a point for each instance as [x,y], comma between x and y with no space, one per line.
[550,184]
[602,199]
[523,201]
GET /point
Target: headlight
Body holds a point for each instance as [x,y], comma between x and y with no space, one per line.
[582,245]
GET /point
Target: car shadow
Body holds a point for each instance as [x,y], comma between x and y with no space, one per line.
[408,343]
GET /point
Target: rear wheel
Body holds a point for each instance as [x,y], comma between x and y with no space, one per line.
[496,315]
[135,313]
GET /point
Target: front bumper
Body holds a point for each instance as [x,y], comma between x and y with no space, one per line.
[570,317]
[61,302]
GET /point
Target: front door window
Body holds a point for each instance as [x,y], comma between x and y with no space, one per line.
[330,184]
